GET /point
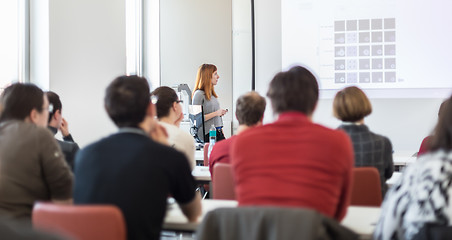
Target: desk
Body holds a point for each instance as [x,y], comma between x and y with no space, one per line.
[395,177]
[199,155]
[176,221]
[403,158]
[201,174]
[362,220]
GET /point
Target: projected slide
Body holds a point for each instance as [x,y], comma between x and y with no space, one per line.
[380,44]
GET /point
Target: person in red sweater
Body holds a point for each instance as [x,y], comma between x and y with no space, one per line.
[249,111]
[425,145]
[294,162]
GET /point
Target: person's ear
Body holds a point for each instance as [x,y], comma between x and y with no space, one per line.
[34,116]
[57,114]
[151,110]
[175,106]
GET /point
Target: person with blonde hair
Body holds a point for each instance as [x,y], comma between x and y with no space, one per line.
[204,94]
[351,106]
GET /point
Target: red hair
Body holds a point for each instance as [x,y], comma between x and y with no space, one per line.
[204,80]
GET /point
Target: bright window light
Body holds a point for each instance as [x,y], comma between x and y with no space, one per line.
[9,42]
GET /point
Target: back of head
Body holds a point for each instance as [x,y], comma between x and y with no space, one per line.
[19,99]
[442,107]
[250,108]
[126,100]
[204,80]
[294,90]
[442,137]
[54,99]
[351,105]
[166,97]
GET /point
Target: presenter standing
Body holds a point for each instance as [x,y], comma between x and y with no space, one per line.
[204,94]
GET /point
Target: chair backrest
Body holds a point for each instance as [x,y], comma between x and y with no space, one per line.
[206,151]
[270,223]
[82,222]
[366,188]
[223,182]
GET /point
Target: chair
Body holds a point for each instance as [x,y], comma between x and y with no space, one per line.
[223,182]
[83,222]
[206,152]
[270,223]
[434,231]
[206,164]
[366,188]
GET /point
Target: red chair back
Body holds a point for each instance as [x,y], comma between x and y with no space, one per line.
[82,222]
[366,188]
[223,182]
[206,151]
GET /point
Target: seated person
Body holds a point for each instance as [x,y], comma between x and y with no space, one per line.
[249,111]
[32,166]
[170,114]
[423,192]
[426,141]
[132,171]
[294,162]
[57,122]
[351,106]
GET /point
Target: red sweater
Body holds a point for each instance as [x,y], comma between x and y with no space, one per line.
[220,153]
[294,162]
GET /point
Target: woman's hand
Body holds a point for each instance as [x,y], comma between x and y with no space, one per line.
[221,112]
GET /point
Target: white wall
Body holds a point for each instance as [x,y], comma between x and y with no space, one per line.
[87,51]
[405,121]
[193,33]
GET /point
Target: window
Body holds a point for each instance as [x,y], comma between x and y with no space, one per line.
[143,46]
[14,55]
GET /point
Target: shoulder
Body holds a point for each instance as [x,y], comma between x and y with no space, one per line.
[199,93]
[41,134]
[338,135]
[225,143]
[380,137]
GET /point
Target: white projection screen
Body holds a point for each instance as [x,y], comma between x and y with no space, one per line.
[389,48]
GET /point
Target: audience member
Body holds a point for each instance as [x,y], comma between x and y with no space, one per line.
[32,166]
[57,122]
[293,161]
[426,141]
[422,194]
[170,114]
[132,171]
[351,106]
[249,111]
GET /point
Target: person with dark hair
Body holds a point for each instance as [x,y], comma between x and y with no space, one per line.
[351,106]
[294,162]
[32,166]
[131,170]
[57,122]
[425,145]
[421,196]
[204,94]
[170,114]
[250,108]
